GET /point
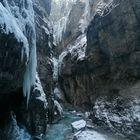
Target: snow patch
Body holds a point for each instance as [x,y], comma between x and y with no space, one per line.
[38,87]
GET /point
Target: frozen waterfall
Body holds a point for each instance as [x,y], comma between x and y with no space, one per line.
[19,20]
[60,14]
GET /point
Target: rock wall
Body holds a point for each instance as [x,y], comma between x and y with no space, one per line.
[17,40]
[109,69]
[112,53]
[44,34]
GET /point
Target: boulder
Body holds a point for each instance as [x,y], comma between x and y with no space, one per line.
[78,125]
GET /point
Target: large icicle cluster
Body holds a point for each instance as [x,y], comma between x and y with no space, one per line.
[17,17]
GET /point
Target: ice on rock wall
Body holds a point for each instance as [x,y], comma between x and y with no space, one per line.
[105,7]
[9,25]
[55,69]
[79,47]
[38,87]
[86,17]
[60,11]
[18,18]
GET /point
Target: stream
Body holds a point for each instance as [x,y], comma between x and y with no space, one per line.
[63,131]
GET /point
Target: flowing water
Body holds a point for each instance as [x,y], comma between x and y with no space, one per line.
[62,130]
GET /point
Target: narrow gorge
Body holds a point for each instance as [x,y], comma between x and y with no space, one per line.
[69,70]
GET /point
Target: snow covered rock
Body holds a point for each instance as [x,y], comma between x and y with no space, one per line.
[73,54]
[58,108]
[78,125]
[119,114]
[88,135]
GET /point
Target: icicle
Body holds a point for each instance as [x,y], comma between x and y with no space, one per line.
[29,76]
[30,73]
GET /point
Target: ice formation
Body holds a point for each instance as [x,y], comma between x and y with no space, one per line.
[85,20]
[58,106]
[55,69]
[39,88]
[59,15]
[19,20]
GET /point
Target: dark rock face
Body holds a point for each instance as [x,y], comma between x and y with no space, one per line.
[10,48]
[112,53]
[112,41]
[113,58]
[72,75]
[44,46]
[110,66]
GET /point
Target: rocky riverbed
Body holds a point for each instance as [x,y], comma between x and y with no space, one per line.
[63,130]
